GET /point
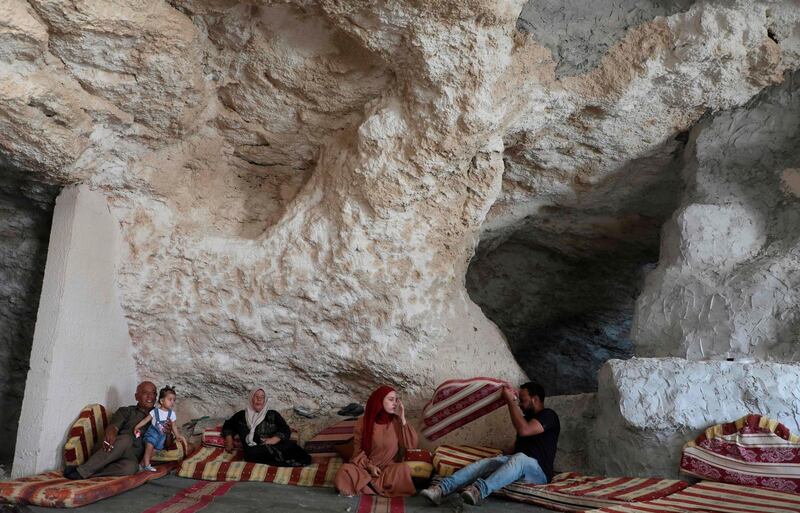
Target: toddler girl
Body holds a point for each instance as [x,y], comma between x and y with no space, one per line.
[156,433]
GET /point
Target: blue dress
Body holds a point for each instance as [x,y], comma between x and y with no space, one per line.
[156,434]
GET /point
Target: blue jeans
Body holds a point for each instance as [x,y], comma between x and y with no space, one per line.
[491,474]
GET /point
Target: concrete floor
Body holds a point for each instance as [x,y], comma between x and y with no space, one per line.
[259,497]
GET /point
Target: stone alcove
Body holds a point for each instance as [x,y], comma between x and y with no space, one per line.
[26,213]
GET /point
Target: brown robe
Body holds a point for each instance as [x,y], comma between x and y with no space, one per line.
[395,477]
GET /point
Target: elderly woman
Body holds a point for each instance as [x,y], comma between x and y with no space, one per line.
[379,435]
[264,434]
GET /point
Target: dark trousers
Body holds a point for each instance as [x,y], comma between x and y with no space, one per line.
[122,460]
[285,453]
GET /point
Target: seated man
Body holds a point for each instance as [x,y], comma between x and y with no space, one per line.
[535,447]
[121,451]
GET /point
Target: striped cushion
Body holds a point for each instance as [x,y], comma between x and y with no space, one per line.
[85,434]
[176,454]
[52,490]
[324,443]
[449,458]
[753,451]
[575,492]
[214,464]
[420,462]
[458,402]
[715,498]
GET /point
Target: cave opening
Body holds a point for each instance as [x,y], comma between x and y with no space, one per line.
[562,283]
[26,214]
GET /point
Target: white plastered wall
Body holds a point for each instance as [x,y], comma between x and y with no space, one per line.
[82,352]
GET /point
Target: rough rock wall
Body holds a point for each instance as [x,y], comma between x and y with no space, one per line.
[580,33]
[26,211]
[301,186]
[728,278]
[647,408]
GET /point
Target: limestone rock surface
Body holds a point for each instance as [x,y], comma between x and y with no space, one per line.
[302,185]
[647,408]
[728,278]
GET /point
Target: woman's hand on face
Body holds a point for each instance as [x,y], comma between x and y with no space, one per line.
[401,411]
[271,440]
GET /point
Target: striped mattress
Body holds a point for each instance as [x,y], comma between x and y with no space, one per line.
[575,492]
[709,497]
[458,402]
[214,464]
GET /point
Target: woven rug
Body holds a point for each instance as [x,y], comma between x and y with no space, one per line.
[52,490]
[709,497]
[574,492]
[376,504]
[214,464]
[193,499]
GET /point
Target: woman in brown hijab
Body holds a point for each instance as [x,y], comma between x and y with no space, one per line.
[379,435]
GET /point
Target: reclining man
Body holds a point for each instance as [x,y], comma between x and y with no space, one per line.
[535,449]
[121,451]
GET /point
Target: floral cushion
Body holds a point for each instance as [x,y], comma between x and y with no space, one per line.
[752,451]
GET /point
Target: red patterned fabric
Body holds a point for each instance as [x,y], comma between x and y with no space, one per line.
[574,492]
[52,490]
[85,434]
[378,504]
[458,402]
[192,499]
[752,451]
[215,464]
[708,497]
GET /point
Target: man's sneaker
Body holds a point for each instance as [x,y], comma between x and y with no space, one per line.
[433,494]
[149,468]
[471,495]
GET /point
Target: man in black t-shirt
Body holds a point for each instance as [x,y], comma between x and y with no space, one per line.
[535,449]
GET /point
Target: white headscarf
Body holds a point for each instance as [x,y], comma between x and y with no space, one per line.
[254,418]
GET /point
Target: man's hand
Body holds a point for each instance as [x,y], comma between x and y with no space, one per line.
[271,440]
[373,470]
[508,394]
[229,443]
[110,438]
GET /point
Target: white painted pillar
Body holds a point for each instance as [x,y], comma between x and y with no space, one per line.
[82,352]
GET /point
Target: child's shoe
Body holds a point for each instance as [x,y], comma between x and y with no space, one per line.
[148,468]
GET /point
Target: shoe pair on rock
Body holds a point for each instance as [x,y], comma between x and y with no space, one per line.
[351,410]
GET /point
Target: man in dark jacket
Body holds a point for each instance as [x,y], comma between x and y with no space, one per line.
[121,451]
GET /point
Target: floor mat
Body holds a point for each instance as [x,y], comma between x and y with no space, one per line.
[376,504]
[708,497]
[214,464]
[194,498]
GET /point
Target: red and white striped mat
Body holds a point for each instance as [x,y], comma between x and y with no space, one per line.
[710,497]
[458,402]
